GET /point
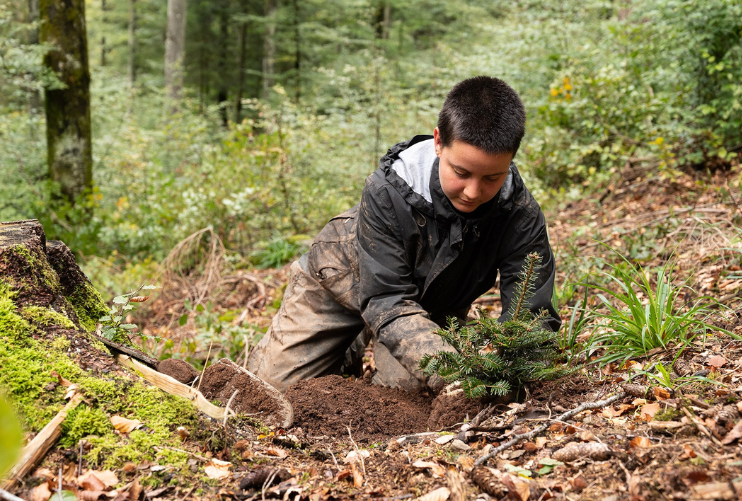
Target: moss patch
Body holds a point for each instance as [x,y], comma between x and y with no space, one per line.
[11,324]
[42,272]
[82,422]
[46,317]
[88,305]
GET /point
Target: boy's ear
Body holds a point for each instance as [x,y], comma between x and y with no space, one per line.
[437,142]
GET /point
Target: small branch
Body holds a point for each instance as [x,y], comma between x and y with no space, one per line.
[6,496]
[40,445]
[226,409]
[562,417]
[360,456]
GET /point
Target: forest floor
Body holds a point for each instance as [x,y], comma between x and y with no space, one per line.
[352,440]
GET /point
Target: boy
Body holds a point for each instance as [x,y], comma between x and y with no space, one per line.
[438,220]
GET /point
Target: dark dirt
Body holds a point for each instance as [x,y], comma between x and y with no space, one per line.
[221,380]
[448,410]
[178,369]
[328,405]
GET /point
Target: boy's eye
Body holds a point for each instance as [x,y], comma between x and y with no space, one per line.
[460,173]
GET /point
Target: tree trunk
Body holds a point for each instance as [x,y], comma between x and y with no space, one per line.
[131,70]
[269,46]
[69,148]
[241,69]
[297,50]
[34,98]
[174,51]
[103,37]
[223,74]
[382,21]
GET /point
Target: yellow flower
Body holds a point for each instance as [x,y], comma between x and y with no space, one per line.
[554,92]
[659,140]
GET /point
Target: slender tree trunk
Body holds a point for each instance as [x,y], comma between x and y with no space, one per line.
[131,70]
[34,98]
[241,69]
[297,50]
[103,37]
[382,21]
[223,49]
[269,46]
[69,148]
[174,51]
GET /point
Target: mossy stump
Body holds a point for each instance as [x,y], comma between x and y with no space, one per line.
[48,310]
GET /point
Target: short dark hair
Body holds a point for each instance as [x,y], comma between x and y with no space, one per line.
[484,112]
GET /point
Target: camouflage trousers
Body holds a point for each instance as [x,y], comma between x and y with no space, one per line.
[313,335]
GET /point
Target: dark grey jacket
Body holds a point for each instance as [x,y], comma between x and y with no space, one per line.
[405,259]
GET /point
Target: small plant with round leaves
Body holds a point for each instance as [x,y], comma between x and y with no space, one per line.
[113,326]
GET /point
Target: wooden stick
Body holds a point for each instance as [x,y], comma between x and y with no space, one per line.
[562,417]
[172,386]
[37,448]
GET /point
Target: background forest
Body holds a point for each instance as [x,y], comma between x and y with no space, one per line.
[287,105]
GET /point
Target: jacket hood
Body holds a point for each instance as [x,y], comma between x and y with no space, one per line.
[411,167]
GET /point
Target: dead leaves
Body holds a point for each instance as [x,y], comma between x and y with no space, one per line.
[217,469]
[441,494]
[124,425]
[90,486]
[649,410]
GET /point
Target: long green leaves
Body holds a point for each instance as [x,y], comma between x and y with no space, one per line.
[639,315]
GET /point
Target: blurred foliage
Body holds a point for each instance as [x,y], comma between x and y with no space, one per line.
[608,84]
[10,435]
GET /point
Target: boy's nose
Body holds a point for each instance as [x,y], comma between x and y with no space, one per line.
[471,191]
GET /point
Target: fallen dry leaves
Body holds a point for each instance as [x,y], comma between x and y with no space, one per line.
[649,410]
[441,494]
[217,469]
[123,425]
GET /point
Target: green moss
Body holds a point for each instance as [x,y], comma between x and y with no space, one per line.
[61,343]
[82,422]
[11,324]
[88,305]
[668,414]
[41,270]
[46,317]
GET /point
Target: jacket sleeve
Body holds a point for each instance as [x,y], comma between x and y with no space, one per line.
[388,296]
[529,234]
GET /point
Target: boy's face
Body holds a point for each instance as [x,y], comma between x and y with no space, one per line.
[470,176]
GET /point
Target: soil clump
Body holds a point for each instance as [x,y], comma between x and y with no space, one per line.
[180,370]
[328,405]
[451,409]
[222,379]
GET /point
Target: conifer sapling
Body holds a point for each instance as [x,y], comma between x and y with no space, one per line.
[493,357]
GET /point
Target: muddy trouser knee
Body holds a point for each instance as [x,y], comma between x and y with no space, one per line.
[312,335]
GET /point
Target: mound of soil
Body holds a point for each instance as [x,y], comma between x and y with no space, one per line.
[222,379]
[328,405]
[180,370]
[450,409]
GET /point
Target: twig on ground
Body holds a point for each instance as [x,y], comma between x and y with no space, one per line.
[334,460]
[562,417]
[360,456]
[268,482]
[700,426]
[6,496]
[226,409]
[201,376]
[59,490]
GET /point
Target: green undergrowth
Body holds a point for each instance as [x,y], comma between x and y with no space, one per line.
[35,393]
